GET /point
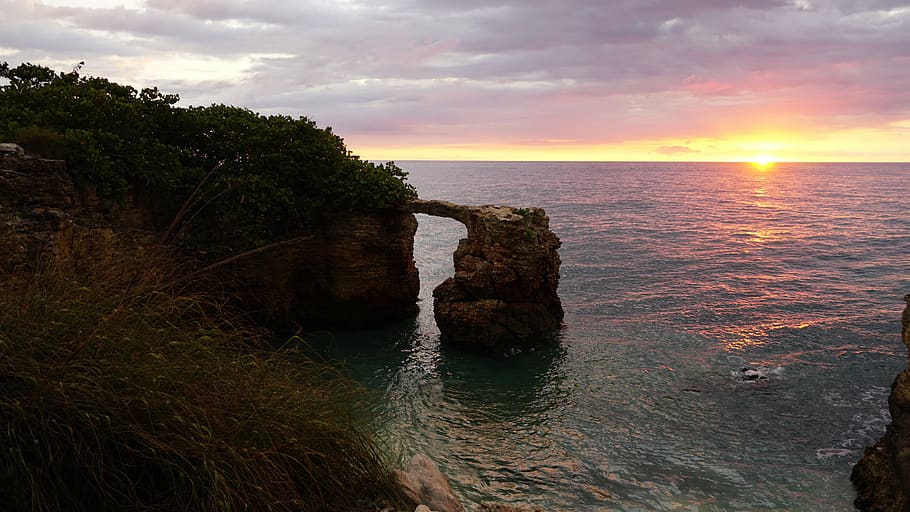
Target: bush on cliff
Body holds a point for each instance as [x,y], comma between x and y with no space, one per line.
[123,392]
[256,177]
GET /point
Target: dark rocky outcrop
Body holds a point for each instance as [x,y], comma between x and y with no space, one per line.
[882,476]
[503,294]
[350,270]
[346,270]
[44,218]
[37,205]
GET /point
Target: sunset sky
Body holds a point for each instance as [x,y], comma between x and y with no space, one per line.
[806,80]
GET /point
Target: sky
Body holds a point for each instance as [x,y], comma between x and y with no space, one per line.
[679,80]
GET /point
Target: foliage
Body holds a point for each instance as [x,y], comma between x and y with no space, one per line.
[123,392]
[262,175]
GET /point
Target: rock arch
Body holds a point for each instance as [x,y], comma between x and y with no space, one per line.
[503,294]
[347,270]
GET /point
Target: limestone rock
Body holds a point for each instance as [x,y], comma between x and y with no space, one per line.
[350,270]
[8,148]
[425,484]
[36,208]
[504,291]
[882,476]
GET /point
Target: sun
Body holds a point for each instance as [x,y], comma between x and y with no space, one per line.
[763,161]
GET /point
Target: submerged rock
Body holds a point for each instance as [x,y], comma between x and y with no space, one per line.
[503,294]
[882,476]
[756,373]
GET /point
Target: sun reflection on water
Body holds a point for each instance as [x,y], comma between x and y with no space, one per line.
[740,338]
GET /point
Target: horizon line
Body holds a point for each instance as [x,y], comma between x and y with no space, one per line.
[749,162]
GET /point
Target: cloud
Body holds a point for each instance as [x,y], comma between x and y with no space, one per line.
[513,70]
[675,150]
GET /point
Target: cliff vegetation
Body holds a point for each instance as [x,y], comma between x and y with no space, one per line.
[123,389]
[220,174]
[129,382]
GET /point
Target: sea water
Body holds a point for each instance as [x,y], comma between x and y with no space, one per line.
[730,337]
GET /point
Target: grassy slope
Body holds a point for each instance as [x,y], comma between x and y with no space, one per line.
[121,391]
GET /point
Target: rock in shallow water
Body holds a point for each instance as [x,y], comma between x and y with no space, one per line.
[426,485]
[503,294]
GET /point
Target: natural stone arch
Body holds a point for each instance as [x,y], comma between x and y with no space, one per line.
[503,294]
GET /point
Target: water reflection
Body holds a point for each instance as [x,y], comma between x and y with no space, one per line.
[505,388]
[674,280]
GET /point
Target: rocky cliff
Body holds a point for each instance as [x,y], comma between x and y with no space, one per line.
[882,476]
[344,270]
[350,270]
[44,217]
[503,294]
[37,205]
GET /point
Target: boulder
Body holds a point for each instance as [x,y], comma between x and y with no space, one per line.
[8,148]
[504,292]
[424,484]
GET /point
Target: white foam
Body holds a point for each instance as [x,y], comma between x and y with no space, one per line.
[756,373]
[827,453]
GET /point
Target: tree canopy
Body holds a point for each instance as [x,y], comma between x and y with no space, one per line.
[257,176]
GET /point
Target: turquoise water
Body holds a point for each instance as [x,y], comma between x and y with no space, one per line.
[681,282]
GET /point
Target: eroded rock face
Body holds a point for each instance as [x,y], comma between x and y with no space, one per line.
[882,476]
[503,294]
[350,271]
[37,204]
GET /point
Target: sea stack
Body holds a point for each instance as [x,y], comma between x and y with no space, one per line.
[503,294]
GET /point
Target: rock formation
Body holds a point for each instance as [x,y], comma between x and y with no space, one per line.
[350,271]
[425,485]
[342,270]
[503,294]
[882,476]
[37,204]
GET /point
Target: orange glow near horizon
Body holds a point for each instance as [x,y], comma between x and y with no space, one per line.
[764,162]
[763,150]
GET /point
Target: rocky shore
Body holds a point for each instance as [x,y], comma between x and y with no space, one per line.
[425,485]
[342,270]
[349,270]
[882,476]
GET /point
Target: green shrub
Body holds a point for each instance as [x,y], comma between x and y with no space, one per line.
[43,142]
[262,176]
[123,392]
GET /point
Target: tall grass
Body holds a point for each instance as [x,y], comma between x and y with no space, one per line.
[121,391]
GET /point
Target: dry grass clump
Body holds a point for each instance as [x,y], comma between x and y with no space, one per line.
[122,392]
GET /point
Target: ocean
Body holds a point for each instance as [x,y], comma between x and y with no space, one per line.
[731,334]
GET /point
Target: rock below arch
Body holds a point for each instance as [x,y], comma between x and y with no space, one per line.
[503,294]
